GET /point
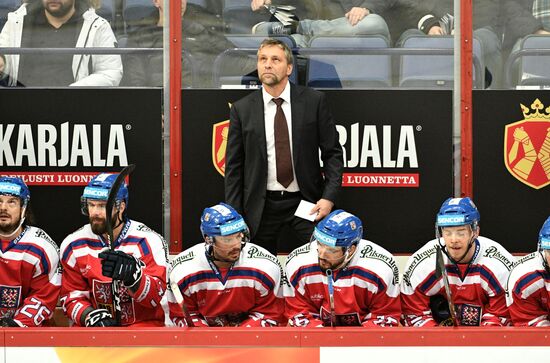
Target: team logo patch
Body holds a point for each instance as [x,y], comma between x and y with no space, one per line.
[220,131]
[527,146]
[349,319]
[103,295]
[469,315]
[9,296]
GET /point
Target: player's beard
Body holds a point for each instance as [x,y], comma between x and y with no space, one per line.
[98,225]
[329,265]
[7,229]
[236,252]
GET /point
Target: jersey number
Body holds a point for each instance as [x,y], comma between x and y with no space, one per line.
[41,314]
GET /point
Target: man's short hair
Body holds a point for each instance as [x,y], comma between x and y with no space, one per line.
[278,43]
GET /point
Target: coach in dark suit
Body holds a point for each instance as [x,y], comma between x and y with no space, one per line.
[272,158]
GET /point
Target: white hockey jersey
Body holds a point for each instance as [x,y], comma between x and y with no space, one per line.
[478,289]
[366,291]
[247,294]
[528,293]
[29,278]
[84,285]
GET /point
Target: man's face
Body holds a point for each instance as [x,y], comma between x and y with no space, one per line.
[546,254]
[457,241]
[329,257]
[228,248]
[58,8]
[273,67]
[97,216]
[10,213]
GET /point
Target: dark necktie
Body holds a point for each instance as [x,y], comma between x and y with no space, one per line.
[282,147]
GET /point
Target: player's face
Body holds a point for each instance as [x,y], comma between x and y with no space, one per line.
[547,256]
[58,8]
[273,67]
[457,240]
[329,257]
[10,213]
[96,213]
[228,248]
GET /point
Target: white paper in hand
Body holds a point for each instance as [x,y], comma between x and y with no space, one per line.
[303,210]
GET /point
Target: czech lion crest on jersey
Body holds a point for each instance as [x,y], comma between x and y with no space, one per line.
[103,295]
[9,296]
[527,146]
[220,131]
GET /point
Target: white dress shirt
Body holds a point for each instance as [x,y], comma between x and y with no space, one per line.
[270,108]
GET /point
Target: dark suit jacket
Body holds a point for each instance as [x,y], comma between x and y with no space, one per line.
[246,156]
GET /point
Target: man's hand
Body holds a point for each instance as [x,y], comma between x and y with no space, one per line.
[323,208]
[435,30]
[99,318]
[356,14]
[540,31]
[121,266]
[259,4]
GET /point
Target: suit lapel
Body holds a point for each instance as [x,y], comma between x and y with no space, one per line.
[257,107]
[298,105]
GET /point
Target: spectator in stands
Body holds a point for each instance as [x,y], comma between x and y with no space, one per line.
[528,296]
[331,17]
[57,24]
[226,280]
[29,274]
[136,258]
[524,17]
[427,18]
[203,43]
[476,267]
[361,278]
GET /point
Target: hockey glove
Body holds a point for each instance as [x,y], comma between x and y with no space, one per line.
[121,266]
[9,323]
[99,318]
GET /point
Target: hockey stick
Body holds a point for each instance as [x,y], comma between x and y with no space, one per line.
[115,285]
[441,271]
[331,297]
[179,298]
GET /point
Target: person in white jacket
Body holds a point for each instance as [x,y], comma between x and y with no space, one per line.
[58,24]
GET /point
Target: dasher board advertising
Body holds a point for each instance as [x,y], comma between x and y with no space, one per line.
[58,139]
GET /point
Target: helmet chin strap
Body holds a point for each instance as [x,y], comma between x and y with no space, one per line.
[21,221]
[544,261]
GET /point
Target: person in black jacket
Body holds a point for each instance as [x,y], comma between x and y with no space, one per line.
[424,17]
[203,42]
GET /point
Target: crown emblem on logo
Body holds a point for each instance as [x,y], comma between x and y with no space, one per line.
[527,146]
[534,113]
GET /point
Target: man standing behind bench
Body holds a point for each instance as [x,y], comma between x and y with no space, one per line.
[272,159]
